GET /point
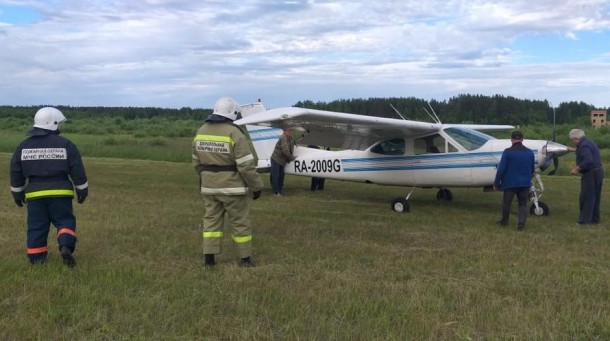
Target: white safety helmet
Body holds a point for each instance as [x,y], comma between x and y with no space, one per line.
[48,118]
[227,107]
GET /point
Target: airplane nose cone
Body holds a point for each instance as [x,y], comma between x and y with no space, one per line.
[553,151]
[556,149]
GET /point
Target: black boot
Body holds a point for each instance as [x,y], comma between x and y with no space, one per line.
[66,255]
[208,261]
[38,260]
[246,263]
[503,221]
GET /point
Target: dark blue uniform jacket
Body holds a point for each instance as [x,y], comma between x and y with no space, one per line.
[50,163]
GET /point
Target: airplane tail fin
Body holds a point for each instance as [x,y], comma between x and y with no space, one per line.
[263,137]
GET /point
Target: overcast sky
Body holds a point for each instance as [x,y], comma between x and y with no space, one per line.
[188,53]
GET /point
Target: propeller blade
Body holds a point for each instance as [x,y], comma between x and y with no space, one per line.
[554,154]
[555,165]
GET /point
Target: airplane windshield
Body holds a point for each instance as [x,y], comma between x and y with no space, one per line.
[468,138]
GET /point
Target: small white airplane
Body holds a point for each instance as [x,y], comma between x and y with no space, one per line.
[395,152]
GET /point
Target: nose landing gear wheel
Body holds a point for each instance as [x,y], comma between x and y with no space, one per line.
[542,209]
[400,205]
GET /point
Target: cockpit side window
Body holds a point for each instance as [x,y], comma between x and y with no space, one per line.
[431,144]
[390,147]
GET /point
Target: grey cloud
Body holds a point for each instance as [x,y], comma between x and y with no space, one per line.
[186,53]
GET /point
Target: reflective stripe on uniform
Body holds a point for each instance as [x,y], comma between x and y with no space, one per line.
[244,159]
[65,230]
[83,186]
[35,250]
[228,191]
[243,239]
[212,234]
[17,189]
[215,138]
[49,193]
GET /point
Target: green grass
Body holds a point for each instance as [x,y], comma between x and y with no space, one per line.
[332,265]
[123,146]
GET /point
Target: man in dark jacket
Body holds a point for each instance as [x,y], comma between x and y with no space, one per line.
[589,166]
[45,170]
[514,177]
[282,154]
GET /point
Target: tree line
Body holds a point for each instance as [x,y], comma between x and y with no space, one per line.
[480,109]
[477,109]
[128,113]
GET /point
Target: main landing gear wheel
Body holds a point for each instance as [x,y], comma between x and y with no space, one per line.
[400,205]
[542,209]
[444,195]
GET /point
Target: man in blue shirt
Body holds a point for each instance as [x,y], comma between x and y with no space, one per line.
[589,165]
[514,177]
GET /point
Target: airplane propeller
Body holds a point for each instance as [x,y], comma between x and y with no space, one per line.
[553,152]
[555,165]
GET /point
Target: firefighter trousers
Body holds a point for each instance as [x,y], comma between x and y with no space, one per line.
[41,214]
[236,208]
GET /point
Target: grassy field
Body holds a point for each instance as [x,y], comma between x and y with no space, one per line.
[123,146]
[332,265]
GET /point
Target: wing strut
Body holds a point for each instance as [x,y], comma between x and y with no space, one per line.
[398,112]
[433,114]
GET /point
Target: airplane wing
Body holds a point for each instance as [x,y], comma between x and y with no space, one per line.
[339,130]
[481,127]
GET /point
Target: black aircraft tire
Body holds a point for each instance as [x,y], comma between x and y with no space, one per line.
[543,209]
[400,205]
[444,194]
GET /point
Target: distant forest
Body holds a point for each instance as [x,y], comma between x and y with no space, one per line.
[127,113]
[478,109]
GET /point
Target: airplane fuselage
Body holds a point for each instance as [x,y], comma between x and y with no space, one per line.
[452,169]
[394,152]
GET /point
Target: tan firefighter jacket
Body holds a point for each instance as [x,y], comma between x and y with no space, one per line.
[224,161]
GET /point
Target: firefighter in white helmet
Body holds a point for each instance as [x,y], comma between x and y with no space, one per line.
[46,170]
[226,168]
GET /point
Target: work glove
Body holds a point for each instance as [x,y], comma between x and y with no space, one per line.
[19,198]
[256,194]
[81,195]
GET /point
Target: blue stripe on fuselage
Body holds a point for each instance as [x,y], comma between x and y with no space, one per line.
[420,167]
[419,162]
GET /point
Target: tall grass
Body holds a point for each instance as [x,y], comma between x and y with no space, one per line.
[336,264]
[122,146]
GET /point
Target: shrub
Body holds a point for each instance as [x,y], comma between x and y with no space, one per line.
[158,141]
[110,141]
